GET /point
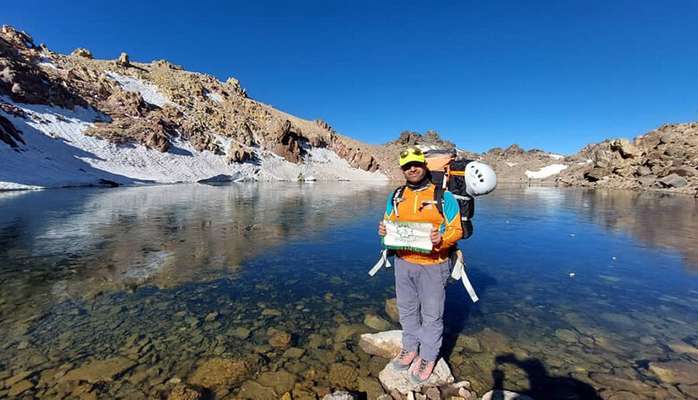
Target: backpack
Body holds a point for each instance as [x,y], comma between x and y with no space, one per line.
[448,175]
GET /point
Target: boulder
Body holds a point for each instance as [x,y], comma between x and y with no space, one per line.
[684,171]
[371,386]
[625,148]
[504,395]
[278,338]
[343,376]
[672,181]
[643,170]
[391,309]
[603,157]
[596,174]
[674,372]
[375,322]
[254,391]
[100,370]
[9,134]
[383,344]
[17,38]
[647,180]
[82,52]
[399,380]
[217,179]
[281,381]
[346,331]
[123,60]
[234,85]
[183,391]
[324,125]
[238,154]
[219,372]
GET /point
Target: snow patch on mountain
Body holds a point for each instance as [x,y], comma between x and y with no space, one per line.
[150,93]
[545,172]
[214,96]
[57,153]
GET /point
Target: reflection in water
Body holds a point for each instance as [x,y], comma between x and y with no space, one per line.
[92,241]
[656,219]
[157,280]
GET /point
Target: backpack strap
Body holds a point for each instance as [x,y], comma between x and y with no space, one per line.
[439,199]
[397,198]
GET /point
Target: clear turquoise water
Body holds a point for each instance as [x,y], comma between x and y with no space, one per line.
[580,290]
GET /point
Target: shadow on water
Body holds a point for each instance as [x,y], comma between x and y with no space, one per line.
[541,384]
[459,307]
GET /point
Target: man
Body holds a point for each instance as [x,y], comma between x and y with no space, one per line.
[420,279]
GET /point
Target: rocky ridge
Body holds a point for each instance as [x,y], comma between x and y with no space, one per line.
[156,105]
[665,159]
[168,111]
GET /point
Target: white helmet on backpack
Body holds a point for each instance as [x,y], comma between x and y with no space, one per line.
[479,178]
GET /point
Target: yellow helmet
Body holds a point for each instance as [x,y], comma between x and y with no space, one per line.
[412,154]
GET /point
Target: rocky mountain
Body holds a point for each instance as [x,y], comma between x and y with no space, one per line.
[74,120]
[663,159]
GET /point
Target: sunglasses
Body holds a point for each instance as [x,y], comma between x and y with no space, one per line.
[407,152]
[409,165]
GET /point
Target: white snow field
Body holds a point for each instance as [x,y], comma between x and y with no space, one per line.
[547,171]
[150,93]
[57,153]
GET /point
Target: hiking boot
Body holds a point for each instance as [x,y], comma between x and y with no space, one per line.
[403,360]
[421,370]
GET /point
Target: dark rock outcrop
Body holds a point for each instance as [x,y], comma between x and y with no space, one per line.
[123,60]
[9,134]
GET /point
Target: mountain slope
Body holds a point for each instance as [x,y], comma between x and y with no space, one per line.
[72,120]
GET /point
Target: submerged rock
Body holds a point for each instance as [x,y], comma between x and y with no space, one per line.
[370,386]
[345,332]
[254,391]
[278,338]
[185,392]
[20,387]
[393,379]
[343,376]
[100,370]
[566,335]
[391,309]
[219,372]
[281,381]
[673,372]
[375,322]
[383,344]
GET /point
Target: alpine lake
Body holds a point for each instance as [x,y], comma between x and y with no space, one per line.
[261,290]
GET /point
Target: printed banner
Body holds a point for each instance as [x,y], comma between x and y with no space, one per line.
[408,236]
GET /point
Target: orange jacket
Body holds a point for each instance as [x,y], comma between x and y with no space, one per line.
[418,206]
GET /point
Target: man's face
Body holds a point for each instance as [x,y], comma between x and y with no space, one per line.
[414,172]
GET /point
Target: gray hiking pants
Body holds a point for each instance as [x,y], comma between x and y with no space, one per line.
[421,293]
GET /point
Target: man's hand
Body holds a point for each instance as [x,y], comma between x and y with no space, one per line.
[381,229]
[435,236]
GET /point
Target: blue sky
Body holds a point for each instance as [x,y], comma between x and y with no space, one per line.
[549,74]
